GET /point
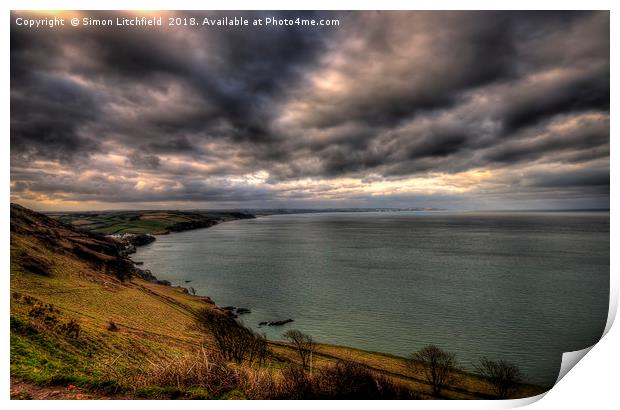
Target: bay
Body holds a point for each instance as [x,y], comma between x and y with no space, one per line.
[523,287]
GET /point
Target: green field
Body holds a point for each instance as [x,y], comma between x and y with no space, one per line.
[143,222]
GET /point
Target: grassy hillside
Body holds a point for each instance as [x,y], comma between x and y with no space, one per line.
[141,222]
[81,318]
[71,275]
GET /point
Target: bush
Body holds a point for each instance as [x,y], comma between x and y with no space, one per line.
[344,379]
[351,380]
[71,329]
[37,311]
[297,384]
[22,327]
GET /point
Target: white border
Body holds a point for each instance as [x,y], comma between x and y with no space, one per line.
[593,384]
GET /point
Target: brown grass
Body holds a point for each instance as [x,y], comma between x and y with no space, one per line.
[186,371]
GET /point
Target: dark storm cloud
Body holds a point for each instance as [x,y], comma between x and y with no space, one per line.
[383,95]
[585,134]
[592,178]
[587,91]
[232,83]
[427,60]
[47,118]
[139,160]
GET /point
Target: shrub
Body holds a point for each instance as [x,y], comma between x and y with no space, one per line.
[344,379]
[351,380]
[71,329]
[296,383]
[22,327]
[37,311]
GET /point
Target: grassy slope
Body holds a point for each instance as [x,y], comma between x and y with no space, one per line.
[154,321]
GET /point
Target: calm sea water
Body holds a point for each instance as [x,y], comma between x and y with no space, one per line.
[518,286]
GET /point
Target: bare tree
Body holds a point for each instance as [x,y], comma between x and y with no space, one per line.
[303,344]
[438,366]
[504,376]
[258,348]
[234,341]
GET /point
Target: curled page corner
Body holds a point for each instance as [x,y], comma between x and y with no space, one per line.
[613,306]
[570,359]
[526,401]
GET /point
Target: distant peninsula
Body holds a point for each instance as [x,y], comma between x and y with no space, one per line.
[153,222]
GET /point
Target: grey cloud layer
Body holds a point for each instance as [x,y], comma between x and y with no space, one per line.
[385,95]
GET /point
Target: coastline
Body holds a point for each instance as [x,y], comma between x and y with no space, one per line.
[389,364]
[64,279]
[214,271]
[130,247]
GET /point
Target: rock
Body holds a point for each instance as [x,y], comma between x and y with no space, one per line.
[130,241]
[148,276]
[276,323]
[229,311]
[280,322]
[243,311]
[145,274]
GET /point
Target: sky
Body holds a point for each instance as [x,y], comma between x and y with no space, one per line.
[451,110]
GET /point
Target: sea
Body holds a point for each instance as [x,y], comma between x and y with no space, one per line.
[518,286]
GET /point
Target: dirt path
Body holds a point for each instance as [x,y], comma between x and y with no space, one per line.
[21,390]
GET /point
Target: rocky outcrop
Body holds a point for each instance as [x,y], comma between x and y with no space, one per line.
[129,241]
[141,239]
[234,312]
[276,323]
[148,276]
